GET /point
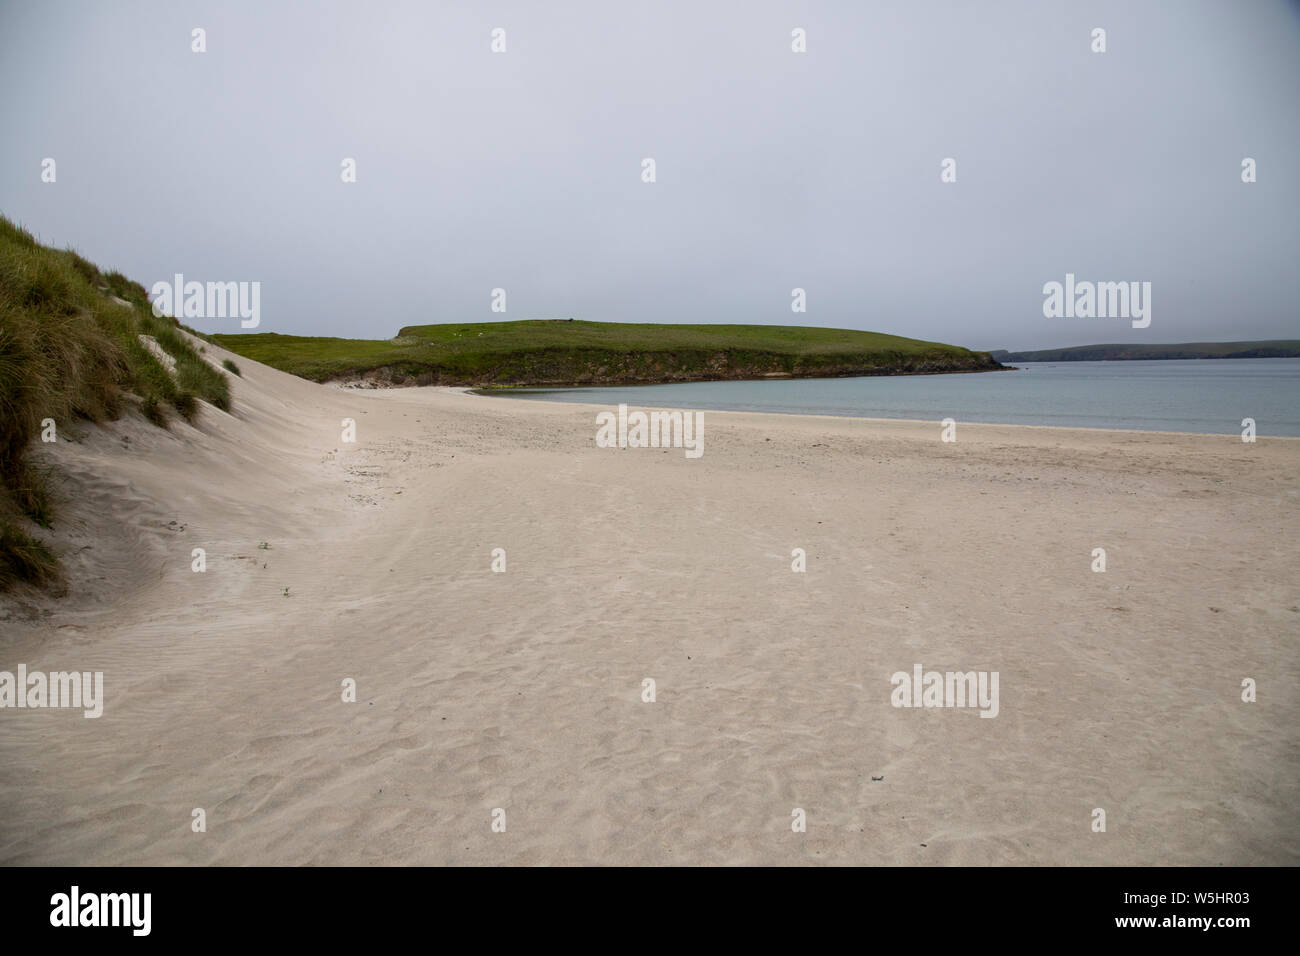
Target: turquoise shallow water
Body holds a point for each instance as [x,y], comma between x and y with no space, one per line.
[1205,395]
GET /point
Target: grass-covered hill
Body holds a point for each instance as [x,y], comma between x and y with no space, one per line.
[71,348]
[1272,348]
[567,352]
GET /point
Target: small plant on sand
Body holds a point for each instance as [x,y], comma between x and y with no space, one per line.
[152,409]
[230,366]
[186,404]
[23,558]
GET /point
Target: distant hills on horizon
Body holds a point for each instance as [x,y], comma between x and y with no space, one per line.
[565,353]
[1268,348]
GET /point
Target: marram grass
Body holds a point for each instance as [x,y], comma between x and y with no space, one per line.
[69,350]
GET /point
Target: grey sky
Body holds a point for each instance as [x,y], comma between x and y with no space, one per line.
[820,170]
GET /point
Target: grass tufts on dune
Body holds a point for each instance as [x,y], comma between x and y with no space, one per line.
[70,349]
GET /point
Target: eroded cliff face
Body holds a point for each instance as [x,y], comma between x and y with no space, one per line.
[566,370]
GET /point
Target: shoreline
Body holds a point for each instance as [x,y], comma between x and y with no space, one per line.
[373,379]
[480,393]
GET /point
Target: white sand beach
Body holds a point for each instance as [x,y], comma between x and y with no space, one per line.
[522,690]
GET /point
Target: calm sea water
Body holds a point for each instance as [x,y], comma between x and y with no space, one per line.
[1195,395]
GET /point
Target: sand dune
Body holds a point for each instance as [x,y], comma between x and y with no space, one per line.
[522,690]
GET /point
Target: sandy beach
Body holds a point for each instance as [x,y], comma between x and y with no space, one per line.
[523,690]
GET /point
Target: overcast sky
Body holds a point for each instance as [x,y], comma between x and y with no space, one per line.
[821,170]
